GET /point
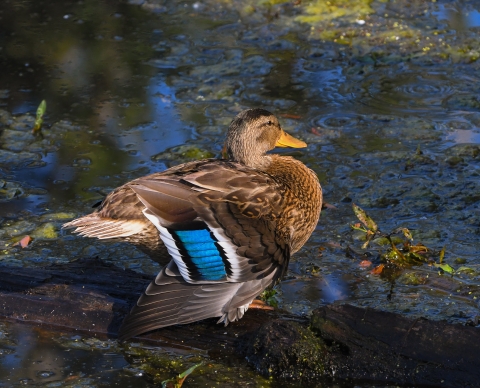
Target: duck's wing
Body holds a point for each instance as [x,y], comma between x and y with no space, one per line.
[120,216]
[222,210]
[169,300]
[220,226]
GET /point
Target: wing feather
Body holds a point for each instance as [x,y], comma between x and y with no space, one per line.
[158,308]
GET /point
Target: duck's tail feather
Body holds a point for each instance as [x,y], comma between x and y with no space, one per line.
[169,300]
[93,225]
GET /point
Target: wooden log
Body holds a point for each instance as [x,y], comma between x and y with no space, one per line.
[86,295]
[376,345]
[340,342]
[93,297]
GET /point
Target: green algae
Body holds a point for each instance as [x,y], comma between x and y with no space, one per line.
[287,350]
[60,216]
[412,278]
[324,11]
[380,37]
[184,153]
[47,231]
[163,364]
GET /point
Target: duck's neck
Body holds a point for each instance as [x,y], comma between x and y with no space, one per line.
[257,162]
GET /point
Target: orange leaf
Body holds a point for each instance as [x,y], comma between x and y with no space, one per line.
[24,241]
[365,263]
[378,270]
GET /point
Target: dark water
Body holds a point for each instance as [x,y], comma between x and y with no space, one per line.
[133,88]
[31,357]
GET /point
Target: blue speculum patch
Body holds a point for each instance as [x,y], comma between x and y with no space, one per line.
[203,254]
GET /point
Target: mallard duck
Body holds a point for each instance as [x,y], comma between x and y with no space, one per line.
[229,225]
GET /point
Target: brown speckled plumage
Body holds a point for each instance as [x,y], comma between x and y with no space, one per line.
[257,209]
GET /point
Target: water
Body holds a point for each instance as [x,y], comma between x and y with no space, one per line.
[389,108]
[30,357]
[458,18]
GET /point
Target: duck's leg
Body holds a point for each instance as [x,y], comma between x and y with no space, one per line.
[260,304]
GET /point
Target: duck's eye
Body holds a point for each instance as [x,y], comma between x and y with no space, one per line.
[269,122]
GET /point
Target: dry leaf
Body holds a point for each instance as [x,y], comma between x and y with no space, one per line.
[365,263]
[24,241]
[378,270]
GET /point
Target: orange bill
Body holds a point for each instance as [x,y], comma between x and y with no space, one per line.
[287,140]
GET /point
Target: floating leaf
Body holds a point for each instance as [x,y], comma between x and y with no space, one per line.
[24,241]
[378,270]
[365,263]
[464,269]
[445,268]
[177,381]
[39,119]
[364,218]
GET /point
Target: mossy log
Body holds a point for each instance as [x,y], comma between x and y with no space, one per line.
[338,342]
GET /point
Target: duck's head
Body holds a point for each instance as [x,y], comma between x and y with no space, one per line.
[252,133]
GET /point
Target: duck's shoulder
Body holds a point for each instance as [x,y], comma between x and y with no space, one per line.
[218,175]
[207,167]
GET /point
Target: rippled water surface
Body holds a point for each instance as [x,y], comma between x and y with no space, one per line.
[388,100]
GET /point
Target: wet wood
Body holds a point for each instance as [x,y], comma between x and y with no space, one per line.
[93,297]
[383,346]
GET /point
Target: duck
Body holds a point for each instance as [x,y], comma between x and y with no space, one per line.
[224,229]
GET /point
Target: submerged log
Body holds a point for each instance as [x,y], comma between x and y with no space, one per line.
[339,342]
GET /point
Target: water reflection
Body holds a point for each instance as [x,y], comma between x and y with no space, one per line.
[464,136]
[302,295]
[89,74]
[33,358]
[458,19]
